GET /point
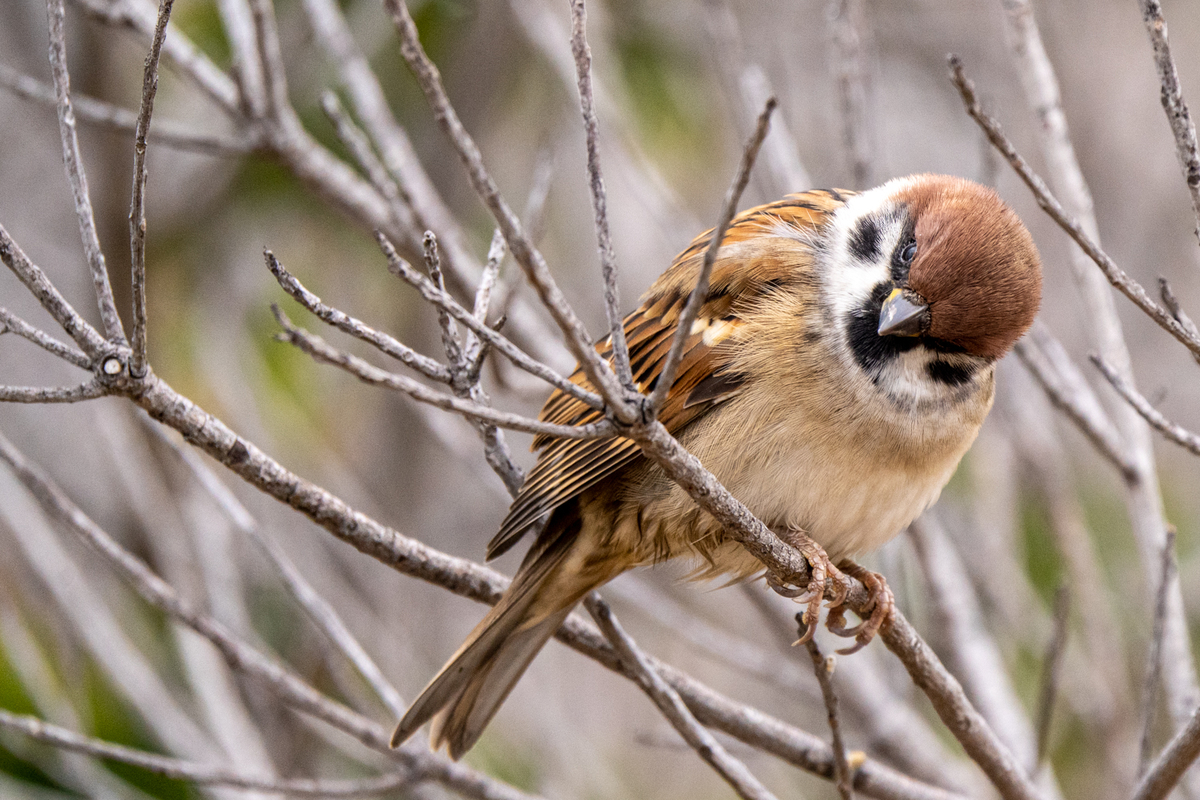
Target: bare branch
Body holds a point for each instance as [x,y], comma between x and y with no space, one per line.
[1053,369]
[77,176]
[11,323]
[357,328]
[197,774]
[137,205]
[1153,673]
[1115,275]
[728,208]
[823,668]
[731,770]
[608,260]
[1051,671]
[88,338]
[140,16]
[527,256]
[442,300]
[1173,104]
[487,281]
[368,373]
[166,133]
[1175,433]
[56,394]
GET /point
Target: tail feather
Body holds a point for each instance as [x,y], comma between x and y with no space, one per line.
[461,722]
[464,696]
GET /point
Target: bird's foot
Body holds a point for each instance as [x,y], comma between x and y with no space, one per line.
[824,572]
[875,615]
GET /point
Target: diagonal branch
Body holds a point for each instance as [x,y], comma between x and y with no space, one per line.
[77,176]
[357,328]
[137,205]
[683,328]
[444,301]
[731,770]
[1172,431]
[11,323]
[368,373]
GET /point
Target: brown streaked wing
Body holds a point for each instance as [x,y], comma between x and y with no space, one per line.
[565,468]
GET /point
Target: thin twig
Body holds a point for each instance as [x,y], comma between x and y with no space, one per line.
[198,774]
[578,341]
[1153,672]
[450,341]
[137,205]
[177,135]
[1067,390]
[1173,432]
[608,260]
[11,323]
[683,328]
[1175,107]
[1048,203]
[316,347]
[441,299]
[1051,673]
[1176,308]
[731,770]
[823,668]
[52,394]
[357,328]
[77,176]
[88,338]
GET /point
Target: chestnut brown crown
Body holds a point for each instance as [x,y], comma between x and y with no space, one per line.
[976,265]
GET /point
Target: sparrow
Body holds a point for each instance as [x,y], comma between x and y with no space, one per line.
[841,364]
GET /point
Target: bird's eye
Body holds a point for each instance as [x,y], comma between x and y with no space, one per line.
[908,253]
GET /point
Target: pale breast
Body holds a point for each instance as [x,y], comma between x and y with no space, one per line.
[849,473]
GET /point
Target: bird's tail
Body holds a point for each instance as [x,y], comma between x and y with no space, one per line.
[464,696]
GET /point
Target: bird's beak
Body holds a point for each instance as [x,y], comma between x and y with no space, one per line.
[903,314]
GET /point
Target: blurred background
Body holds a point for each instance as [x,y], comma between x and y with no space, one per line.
[673,114]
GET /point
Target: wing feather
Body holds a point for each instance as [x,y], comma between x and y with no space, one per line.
[565,468]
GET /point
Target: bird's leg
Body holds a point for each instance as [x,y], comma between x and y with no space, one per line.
[878,611]
[822,569]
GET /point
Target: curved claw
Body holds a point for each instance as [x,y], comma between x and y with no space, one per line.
[882,603]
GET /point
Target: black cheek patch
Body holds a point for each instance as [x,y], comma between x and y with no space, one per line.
[871,350]
[950,374]
[864,241]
